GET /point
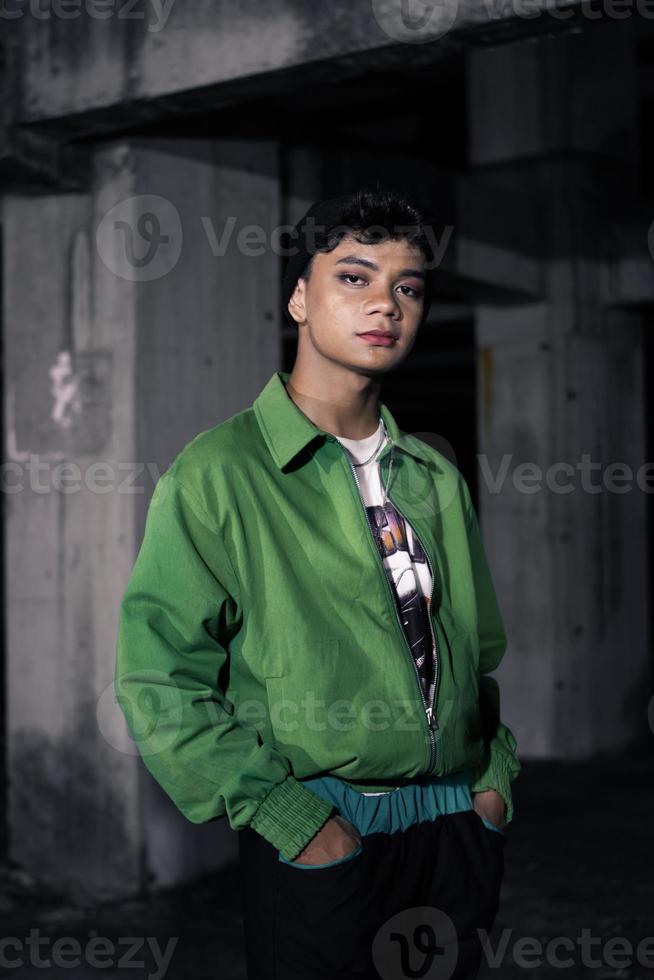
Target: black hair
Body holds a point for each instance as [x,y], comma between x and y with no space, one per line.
[374,216]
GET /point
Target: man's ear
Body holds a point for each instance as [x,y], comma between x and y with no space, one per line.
[297,302]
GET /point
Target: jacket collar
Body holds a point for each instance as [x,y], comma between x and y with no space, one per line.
[287,430]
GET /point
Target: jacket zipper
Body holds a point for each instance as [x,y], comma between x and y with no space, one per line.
[433,727]
[431,722]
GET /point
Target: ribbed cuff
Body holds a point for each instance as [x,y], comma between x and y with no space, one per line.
[290,816]
[495,776]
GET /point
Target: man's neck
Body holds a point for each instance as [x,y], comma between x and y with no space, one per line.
[353,415]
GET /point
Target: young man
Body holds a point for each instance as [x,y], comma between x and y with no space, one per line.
[306,639]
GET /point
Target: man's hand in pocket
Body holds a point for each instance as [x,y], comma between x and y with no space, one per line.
[490,804]
[336,839]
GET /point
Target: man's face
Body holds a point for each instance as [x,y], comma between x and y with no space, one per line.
[354,291]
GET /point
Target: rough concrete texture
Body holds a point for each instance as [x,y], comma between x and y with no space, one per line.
[81,64]
[561,382]
[106,369]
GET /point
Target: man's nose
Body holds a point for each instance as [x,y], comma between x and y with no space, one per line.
[383,299]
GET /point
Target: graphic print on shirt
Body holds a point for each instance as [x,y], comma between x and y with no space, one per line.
[403,559]
[396,541]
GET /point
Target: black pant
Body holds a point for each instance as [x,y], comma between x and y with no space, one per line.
[409,904]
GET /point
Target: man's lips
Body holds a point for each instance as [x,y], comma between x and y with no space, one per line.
[381,338]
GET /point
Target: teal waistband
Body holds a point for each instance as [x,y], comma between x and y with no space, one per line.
[388,812]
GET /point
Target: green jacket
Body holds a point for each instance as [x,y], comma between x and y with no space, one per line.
[259,642]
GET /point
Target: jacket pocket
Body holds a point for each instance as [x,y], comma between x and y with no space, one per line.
[299,685]
[465,656]
[462,717]
[305,660]
[493,828]
[331,864]
[335,706]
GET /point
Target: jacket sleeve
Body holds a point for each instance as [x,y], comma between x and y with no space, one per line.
[501,765]
[178,613]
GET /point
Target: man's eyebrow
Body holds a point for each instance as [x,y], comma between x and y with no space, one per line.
[369,264]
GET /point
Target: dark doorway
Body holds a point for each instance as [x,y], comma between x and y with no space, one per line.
[648,379]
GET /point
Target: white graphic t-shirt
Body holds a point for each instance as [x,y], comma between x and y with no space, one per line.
[402,555]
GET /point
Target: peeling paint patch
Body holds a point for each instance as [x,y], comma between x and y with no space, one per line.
[63,408]
[65,391]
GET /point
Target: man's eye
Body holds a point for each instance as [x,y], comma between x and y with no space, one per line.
[416,293]
[350,275]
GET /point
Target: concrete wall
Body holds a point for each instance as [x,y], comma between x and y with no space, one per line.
[148,51]
[559,379]
[125,335]
[72,797]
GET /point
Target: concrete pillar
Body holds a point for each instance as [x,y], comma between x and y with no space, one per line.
[135,317]
[559,379]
